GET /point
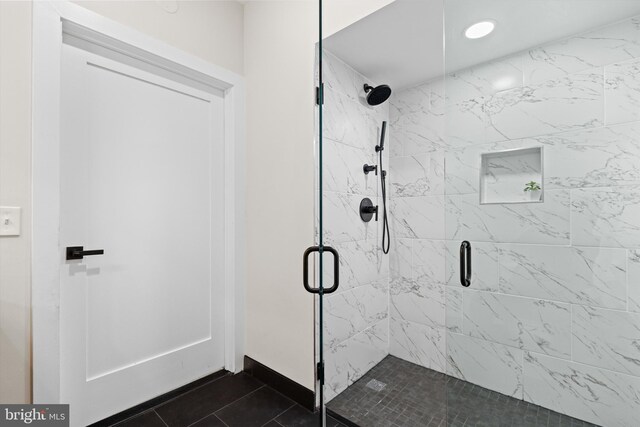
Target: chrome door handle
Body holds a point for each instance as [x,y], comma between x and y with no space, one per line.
[78,252]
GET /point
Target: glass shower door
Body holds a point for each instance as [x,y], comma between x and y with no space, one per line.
[541,212]
[353,324]
[322,258]
[512,278]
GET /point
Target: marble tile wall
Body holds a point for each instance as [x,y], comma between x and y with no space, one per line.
[356,324]
[553,312]
[418,312]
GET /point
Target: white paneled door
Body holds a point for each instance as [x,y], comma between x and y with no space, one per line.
[141,179]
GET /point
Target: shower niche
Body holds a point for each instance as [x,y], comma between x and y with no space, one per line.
[512,176]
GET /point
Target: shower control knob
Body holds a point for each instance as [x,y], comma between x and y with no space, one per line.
[369,168]
[368,210]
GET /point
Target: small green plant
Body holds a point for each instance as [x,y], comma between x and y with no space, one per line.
[532,186]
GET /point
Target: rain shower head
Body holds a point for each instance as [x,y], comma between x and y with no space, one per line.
[377,95]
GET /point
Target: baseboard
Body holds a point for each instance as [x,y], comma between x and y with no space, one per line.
[282,384]
[138,409]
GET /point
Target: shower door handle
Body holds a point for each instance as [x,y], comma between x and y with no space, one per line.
[465,263]
[305,269]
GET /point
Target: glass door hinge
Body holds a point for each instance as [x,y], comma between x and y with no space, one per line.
[320,95]
[320,371]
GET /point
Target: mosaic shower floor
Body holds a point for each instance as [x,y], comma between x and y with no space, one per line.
[396,393]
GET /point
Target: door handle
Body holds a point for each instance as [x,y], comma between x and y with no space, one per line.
[305,269]
[465,263]
[78,252]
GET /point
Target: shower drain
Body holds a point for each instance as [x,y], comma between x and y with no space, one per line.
[376,385]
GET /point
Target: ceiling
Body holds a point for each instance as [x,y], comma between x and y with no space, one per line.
[402,43]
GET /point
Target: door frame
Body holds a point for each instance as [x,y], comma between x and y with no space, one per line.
[53,21]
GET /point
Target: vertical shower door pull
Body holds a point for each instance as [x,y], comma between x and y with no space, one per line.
[305,269]
[465,263]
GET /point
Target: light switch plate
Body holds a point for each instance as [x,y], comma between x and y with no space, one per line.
[9,221]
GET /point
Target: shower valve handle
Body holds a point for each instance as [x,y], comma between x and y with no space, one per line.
[371,210]
[375,211]
[369,168]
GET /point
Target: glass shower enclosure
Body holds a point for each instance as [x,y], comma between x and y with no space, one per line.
[511,291]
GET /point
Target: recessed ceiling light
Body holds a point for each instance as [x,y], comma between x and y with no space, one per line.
[479,29]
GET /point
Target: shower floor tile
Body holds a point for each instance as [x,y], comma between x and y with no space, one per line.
[416,396]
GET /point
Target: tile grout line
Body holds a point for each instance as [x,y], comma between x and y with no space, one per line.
[571,325]
[132,416]
[221,420]
[281,413]
[627,279]
[286,397]
[241,397]
[176,397]
[225,406]
[207,416]
[541,299]
[161,419]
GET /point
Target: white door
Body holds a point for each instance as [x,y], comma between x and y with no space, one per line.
[142,179]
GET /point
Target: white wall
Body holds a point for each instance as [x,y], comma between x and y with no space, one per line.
[15,171]
[212,30]
[279,64]
[279,76]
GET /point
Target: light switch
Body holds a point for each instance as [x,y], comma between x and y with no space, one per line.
[9,221]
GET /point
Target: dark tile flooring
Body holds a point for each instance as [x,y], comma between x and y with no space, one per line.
[228,401]
[412,396]
[416,396]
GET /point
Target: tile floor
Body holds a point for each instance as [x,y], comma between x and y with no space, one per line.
[228,401]
[412,396]
[416,396]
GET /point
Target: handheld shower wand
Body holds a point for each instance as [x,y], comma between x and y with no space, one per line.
[380,147]
[386,235]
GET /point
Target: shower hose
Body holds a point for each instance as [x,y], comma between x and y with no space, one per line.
[386,236]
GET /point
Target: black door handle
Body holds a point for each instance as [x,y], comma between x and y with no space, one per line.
[465,263]
[305,269]
[78,252]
